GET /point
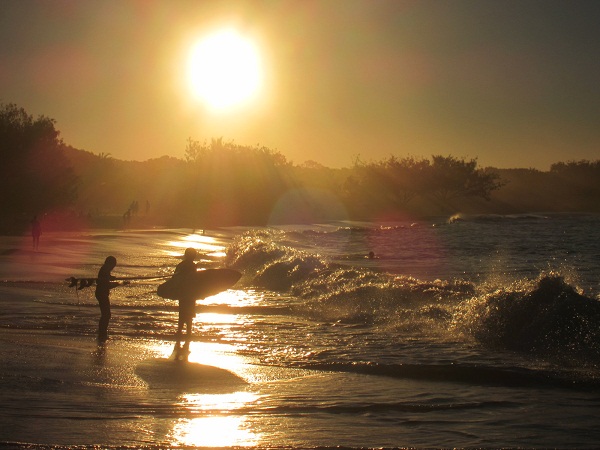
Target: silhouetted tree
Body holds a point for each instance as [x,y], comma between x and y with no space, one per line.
[584,174]
[388,186]
[194,151]
[219,183]
[579,183]
[448,177]
[231,184]
[35,176]
[405,178]
[583,168]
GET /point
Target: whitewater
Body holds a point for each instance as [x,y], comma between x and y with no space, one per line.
[463,331]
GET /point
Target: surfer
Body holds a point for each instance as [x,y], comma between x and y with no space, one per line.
[105,282]
[187,305]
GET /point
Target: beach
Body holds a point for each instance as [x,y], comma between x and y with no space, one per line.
[318,345]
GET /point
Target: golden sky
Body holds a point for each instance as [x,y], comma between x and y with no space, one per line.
[512,83]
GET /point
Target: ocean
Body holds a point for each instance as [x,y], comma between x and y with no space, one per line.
[464,331]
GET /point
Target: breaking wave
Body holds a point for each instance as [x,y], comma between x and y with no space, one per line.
[544,316]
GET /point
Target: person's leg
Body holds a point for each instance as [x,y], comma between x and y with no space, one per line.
[188,333]
[104,319]
[180,323]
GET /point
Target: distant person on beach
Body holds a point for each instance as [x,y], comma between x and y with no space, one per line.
[36,232]
[104,284]
[187,306]
[127,217]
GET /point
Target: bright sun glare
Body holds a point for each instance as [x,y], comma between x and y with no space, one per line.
[224,70]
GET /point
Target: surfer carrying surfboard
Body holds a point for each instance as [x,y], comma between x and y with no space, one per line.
[187,285]
[187,304]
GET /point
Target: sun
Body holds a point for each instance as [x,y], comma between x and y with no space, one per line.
[224,70]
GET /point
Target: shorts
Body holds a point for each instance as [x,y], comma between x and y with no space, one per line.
[187,309]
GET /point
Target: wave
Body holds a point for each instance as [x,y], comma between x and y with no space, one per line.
[377,407]
[345,230]
[545,316]
[482,218]
[469,374]
[532,217]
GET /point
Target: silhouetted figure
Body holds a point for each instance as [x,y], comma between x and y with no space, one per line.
[134,207]
[36,232]
[104,284]
[127,217]
[187,306]
[371,255]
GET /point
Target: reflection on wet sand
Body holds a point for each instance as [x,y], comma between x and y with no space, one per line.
[213,431]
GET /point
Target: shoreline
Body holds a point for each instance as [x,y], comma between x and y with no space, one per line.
[114,223]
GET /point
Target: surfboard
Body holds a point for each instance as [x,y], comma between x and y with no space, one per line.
[199,285]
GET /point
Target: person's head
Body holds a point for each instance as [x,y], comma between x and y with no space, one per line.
[110,261]
[190,254]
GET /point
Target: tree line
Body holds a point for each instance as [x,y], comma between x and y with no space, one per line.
[35,174]
[220,183]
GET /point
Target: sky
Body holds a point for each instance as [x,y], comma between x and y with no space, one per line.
[513,83]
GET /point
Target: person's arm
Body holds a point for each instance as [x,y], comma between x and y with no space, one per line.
[106,280]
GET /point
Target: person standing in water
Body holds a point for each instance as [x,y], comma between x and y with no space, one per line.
[187,306]
[36,232]
[104,283]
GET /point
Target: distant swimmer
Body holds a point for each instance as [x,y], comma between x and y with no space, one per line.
[104,283]
[187,306]
[371,255]
[36,232]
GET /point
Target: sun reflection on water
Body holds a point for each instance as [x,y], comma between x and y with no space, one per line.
[218,354]
[220,424]
[233,297]
[218,403]
[213,419]
[206,245]
[217,428]
[213,431]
